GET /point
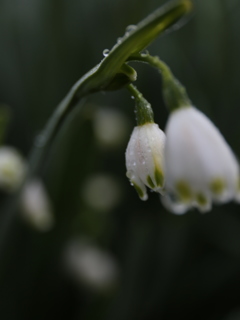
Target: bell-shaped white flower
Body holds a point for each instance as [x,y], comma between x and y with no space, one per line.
[13,169]
[200,167]
[90,265]
[36,205]
[144,158]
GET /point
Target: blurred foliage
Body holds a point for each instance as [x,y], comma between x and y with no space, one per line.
[184,267]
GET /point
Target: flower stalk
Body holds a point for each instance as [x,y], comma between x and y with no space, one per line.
[110,74]
[174,93]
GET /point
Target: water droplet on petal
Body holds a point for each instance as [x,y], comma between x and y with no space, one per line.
[106,52]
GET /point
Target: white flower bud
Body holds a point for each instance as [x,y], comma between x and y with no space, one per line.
[111,127]
[36,206]
[144,158]
[12,169]
[101,192]
[200,166]
[90,265]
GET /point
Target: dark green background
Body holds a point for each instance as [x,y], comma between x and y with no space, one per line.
[171,267]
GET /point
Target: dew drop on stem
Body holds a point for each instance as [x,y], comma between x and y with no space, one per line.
[106,52]
[130,28]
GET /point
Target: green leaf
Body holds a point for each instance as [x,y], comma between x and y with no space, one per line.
[112,72]
[134,41]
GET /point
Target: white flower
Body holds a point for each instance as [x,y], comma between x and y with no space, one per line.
[91,265]
[12,169]
[200,166]
[36,206]
[111,127]
[101,192]
[144,158]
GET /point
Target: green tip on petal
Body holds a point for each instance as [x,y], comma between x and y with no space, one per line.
[159,177]
[184,191]
[201,199]
[142,195]
[150,182]
[238,185]
[217,186]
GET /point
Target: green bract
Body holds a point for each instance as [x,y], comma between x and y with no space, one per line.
[135,40]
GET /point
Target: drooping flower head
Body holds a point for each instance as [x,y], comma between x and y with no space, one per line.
[145,150]
[200,166]
[144,158]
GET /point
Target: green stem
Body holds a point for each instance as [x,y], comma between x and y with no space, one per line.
[37,158]
[45,139]
[174,93]
[144,110]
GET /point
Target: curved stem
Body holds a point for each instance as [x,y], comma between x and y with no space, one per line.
[37,157]
[134,91]
[45,139]
[174,93]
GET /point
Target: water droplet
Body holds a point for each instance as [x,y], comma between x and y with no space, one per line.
[131,184]
[145,52]
[132,97]
[106,52]
[134,163]
[143,162]
[130,28]
[119,40]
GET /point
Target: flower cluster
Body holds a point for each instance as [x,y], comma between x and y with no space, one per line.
[193,167]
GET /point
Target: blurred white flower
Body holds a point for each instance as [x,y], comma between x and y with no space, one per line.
[36,206]
[101,192]
[110,127]
[13,169]
[200,166]
[90,265]
[144,159]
